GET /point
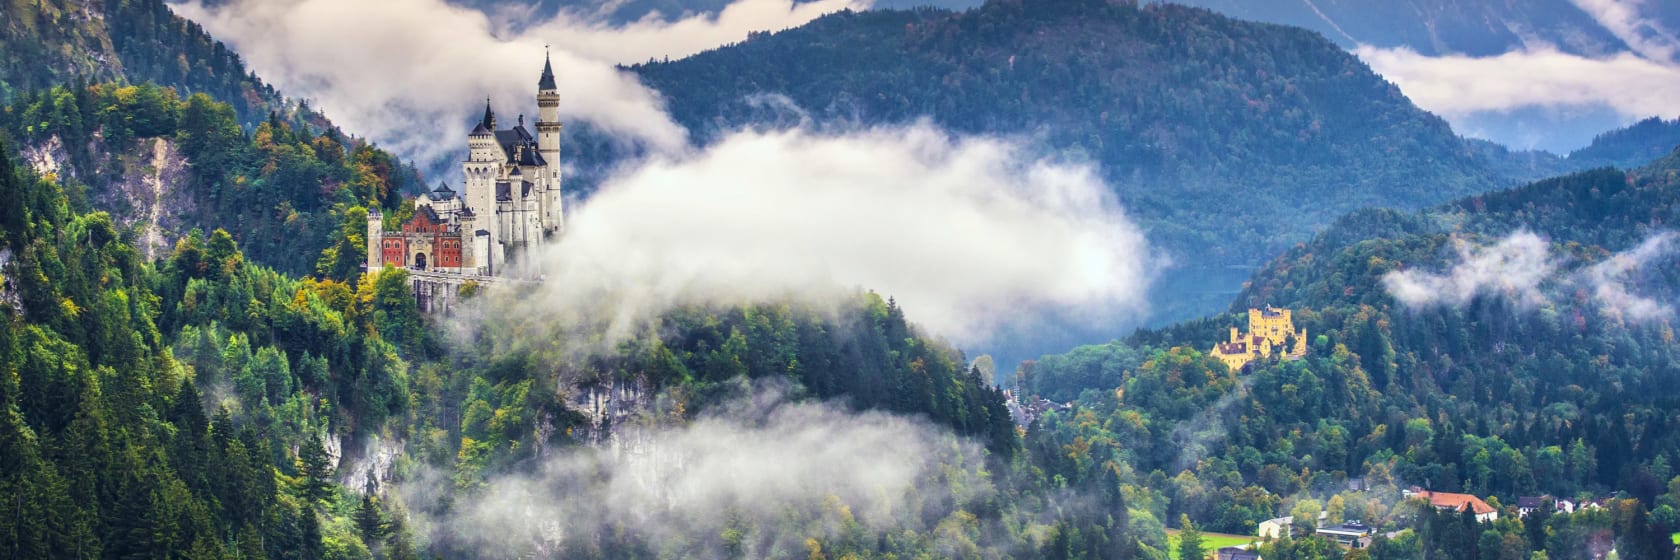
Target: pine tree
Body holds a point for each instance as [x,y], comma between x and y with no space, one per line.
[1189,540]
[369,522]
[316,469]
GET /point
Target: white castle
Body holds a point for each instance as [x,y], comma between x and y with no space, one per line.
[509,206]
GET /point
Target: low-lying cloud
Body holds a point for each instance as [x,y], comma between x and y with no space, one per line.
[1458,85]
[1644,35]
[1541,79]
[1522,269]
[1609,279]
[408,74]
[967,233]
[753,479]
[1514,268]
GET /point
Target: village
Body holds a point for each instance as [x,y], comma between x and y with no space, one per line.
[1271,334]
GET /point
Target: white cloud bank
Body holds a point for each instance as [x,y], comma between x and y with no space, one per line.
[1608,279]
[1514,267]
[409,73]
[1641,83]
[1457,85]
[778,472]
[1521,268]
[968,233]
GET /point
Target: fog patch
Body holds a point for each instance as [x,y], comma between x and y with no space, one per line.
[967,233]
[755,477]
[1513,267]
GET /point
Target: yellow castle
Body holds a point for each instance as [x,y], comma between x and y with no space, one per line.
[1269,330]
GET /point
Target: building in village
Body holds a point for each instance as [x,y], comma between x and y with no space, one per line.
[508,207]
[1448,501]
[1275,528]
[1529,504]
[1352,534]
[1270,331]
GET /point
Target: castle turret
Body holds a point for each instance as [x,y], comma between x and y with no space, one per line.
[548,144]
[375,241]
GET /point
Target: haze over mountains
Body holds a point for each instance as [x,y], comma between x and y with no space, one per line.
[1545,74]
[793,226]
[1276,114]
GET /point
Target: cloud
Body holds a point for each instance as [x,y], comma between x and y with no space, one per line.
[1608,279]
[777,471]
[1514,268]
[1644,35]
[409,74]
[1521,268]
[1456,86]
[968,233]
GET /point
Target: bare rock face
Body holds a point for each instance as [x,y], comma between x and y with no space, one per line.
[157,194]
[143,187]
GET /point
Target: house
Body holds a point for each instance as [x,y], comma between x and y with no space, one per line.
[1531,504]
[1236,553]
[1352,534]
[1448,501]
[1275,528]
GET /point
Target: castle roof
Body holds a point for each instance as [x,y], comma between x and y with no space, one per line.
[442,192]
[480,130]
[1231,348]
[489,120]
[515,138]
[547,81]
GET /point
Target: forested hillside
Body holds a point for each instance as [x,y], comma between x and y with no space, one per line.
[1228,139]
[44,43]
[1441,27]
[208,407]
[1541,366]
[162,165]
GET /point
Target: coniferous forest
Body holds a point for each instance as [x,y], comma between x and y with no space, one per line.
[195,363]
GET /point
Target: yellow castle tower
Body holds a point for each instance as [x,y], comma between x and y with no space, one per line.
[1269,331]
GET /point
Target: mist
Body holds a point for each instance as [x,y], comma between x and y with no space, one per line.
[410,74]
[968,233]
[755,477]
[1513,267]
[1521,268]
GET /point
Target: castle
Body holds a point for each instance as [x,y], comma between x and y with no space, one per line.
[509,206]
[1269,331]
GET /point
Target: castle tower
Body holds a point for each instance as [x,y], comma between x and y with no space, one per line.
[548,144]
[482,168]
[375,241]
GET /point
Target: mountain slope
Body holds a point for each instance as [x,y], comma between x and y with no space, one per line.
[1227,139]
[1498,386]
[1436,27]
[56,42]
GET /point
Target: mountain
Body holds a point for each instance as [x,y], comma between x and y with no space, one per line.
[163,166]
[1507,344]
[58,42]
[1439,27]
[142,114]
[204,406]
[1632,146]
[1228,140]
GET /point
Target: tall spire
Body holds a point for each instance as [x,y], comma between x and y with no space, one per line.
[489,121]
[547,82]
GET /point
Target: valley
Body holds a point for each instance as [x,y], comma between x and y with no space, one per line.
[1031,279]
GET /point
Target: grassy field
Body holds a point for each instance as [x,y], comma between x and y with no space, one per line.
[1210,542]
